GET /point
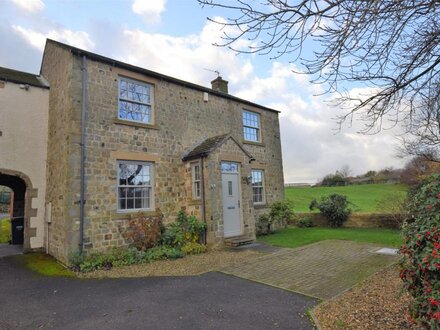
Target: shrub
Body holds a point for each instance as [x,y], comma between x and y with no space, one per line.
[280,215]
[304,222]
[144,232]
[332,180]
[263,224]
[173,236]
[193,248]
[184,229]
[420,263]
[122,257]
[334,208]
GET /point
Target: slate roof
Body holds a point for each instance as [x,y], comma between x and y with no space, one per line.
[110,61]
[20,77]
[209,145]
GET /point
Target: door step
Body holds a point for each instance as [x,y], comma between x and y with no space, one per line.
[238,241]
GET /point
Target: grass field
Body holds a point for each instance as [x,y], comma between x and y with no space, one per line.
[364,197]
[5,230]
[293,237]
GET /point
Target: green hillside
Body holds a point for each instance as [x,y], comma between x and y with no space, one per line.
[365,197]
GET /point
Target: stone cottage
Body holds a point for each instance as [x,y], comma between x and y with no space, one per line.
[123,140]
[24,104]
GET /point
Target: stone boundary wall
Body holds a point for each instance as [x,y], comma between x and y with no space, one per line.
[356,220]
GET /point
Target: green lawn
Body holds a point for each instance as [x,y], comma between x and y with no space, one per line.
[364,197]
[293,237]
[5,230]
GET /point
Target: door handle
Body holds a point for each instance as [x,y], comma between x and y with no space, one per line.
[238,203]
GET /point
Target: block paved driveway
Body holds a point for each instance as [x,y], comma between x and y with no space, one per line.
[321,270]
[210,301]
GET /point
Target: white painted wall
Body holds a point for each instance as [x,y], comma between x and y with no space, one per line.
[23,142]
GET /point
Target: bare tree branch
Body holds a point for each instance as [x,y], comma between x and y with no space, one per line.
[390,46]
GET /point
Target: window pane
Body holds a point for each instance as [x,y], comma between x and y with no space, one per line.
[197,189]
[258,195]
[134,181]
[251,126]
[257,179]
[250,134]
[135,101]
[196,172]
[257,184]
[250,119]
[146,198]
[229,167]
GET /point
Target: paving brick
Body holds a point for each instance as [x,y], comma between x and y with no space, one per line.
[322,270]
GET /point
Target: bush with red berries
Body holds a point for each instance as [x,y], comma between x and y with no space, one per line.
[420,264]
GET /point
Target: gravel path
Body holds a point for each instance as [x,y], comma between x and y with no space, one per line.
[376,303]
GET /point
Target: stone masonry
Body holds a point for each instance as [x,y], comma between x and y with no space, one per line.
[182,118]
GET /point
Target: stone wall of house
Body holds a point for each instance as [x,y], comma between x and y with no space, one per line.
[182,119]
[57,69]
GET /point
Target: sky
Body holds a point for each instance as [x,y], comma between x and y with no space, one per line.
[175,38]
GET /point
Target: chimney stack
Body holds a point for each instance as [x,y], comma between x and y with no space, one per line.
[218,84]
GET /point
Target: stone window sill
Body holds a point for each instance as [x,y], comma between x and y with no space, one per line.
[260,206]
[195,202]
[133,123]
[128,215]
[260,144]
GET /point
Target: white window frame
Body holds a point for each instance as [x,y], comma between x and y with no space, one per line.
[256,128]
[262,187]
[136,102]
[150,186]
[196,181]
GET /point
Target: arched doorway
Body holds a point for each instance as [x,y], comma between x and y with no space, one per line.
[21,211]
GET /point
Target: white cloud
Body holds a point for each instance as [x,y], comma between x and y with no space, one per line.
[150,10]
[32,6]
[37,40]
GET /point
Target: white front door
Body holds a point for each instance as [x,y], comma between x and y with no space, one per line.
[231,205]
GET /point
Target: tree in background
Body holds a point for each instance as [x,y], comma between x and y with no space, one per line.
[418,169]
[390,47]
[423,140]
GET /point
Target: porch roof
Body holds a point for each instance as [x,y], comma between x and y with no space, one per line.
[207,146]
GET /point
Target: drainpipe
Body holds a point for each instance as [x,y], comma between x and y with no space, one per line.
[202,174]
[83,153]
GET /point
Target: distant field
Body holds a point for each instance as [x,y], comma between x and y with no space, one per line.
[365,197]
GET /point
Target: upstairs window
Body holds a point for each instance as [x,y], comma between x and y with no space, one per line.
[196,182]
[135,187]
[135,101]
[251,126]
[258,186]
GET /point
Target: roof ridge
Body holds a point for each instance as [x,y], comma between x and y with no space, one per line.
[156,74]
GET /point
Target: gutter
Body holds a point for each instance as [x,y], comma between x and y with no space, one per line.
[83,154]
[202,174]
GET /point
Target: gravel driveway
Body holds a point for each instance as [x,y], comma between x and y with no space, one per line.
[209,301]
